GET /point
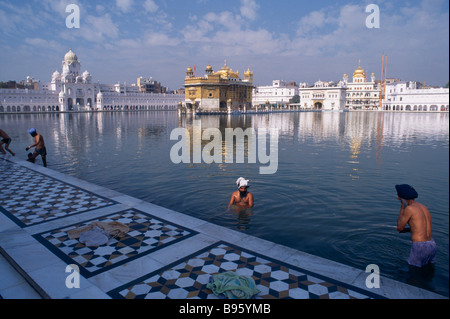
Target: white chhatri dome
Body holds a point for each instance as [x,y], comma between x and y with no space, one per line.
[56,75]
[70,56]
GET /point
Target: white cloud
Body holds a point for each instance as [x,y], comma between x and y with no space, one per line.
[407,34]
[225,19]
[249,9]
[230,34]
[124,5]
[150,6]
[43,43]
[100,8]
[58,6]
[311,22]
[95,28]
[161,39]
[197,33]
[15,18]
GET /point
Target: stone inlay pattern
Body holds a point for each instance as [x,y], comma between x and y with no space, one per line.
[187,279]
[30,198]
[147,234]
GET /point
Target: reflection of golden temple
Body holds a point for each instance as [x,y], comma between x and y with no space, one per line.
[380,137]
[218,91]
[355,146]
[355,150]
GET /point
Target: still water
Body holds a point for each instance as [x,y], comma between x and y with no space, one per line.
[332,195]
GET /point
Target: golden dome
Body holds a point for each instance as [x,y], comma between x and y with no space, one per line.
[359,72]
[226,72]
[189,69]
[209,67]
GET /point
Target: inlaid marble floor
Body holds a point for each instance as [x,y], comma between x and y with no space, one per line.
[187,279]
[30,198]
[174,256]
[146,235]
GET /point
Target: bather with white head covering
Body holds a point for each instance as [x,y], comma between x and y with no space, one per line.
[242,198]
[242,182]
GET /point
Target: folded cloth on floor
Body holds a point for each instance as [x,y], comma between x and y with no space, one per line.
[114,229]
[94,237]
[233,286]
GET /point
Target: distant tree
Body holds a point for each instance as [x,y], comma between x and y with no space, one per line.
[446,86]
[295,99]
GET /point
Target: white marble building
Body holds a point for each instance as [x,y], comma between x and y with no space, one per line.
[362,93]
[326,96]
[278,93]
[409,96]
[73,90]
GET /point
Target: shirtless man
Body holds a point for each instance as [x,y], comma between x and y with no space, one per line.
[242,198]
[40,147]
[5,139]
[423,250]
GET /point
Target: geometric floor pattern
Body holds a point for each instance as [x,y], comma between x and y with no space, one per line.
[187,279]
[30,198]
[147,234]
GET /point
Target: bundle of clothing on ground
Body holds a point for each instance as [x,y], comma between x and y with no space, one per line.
[98,233]
[231,285]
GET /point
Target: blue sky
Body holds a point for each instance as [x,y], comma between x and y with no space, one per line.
[292,40]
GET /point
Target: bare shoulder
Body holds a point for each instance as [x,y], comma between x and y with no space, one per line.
[417,208]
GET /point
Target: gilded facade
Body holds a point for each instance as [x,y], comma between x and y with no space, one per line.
[223,90]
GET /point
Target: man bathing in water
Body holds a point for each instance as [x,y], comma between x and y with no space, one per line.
[40,147]
[5,139]
[423,250]
[241,198]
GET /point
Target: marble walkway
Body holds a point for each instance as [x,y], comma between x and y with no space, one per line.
[165,255]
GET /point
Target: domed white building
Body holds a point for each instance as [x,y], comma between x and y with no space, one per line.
[73,90]
[79,92]
[362,93]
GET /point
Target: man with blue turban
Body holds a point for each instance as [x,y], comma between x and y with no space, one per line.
[40,147]
[423,249]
